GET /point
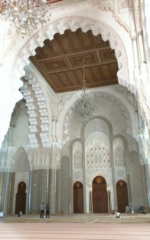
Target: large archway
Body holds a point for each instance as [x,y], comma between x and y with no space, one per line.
[99,195]
[60,26]
[73,24]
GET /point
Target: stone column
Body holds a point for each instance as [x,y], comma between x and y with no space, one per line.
[84,179]
[5,192]
[129,189]
[33,191]
[144,187]
[109,201]
[37,190]
[90,202]
[1,188]
[71,163]
[41,188]
[52,192]
[29,193]
[147,173]
[58,191]
[11,193]
[113,175]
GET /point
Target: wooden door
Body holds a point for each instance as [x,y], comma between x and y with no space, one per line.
[78,197]
[99,194]
[122,195]
[21,198]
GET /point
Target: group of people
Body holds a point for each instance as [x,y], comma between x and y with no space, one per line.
[42,208]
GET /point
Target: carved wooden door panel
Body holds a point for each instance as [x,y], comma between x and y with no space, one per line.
[21,198]
[100,198]
[122,196]
[78,197]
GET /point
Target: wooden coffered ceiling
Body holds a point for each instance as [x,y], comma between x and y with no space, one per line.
[60,61]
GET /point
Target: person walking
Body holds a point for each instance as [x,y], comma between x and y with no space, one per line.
[47,210]
[42,210]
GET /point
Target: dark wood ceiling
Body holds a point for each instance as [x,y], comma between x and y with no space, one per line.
[60,61]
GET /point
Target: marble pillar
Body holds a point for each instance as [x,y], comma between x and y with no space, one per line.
[11,193]
[52,192]
[129,189]
[33,196]
[29,193]
[1,187]
[38,189]
[144,187]
[147,173]
[7,192]
[58,191]
[41,188]
[84,181]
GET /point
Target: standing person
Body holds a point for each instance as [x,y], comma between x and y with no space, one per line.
[47,210]
[42,210]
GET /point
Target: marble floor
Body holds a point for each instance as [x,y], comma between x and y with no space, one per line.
[76,226]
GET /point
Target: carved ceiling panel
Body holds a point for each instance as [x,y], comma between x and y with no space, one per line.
[60,61]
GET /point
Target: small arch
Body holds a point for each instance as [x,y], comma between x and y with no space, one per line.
[102,174]
[122,195]
[99,195]
[21,198]
[78,206]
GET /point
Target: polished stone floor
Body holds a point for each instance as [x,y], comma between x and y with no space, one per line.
[76,226]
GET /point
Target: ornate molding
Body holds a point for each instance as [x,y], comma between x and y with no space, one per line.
[37,110]
[143,98]
[138,17]
[111,108]
[144,150]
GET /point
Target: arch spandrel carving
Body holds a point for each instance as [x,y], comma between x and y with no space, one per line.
[99,173]
[77,155]
[96,125]
[109,107]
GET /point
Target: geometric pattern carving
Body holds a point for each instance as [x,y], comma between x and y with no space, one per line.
[77,155]
[72,125]
[77,175]
[37,110]
[120,173]
[104,172]
[115,111]
[97,152]
[96,125]
[118,151]
[136,180]
[39,158]
[64,184]
[21,161]
[110,108]
[6,159]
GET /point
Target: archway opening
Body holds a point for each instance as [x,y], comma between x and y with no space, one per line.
[99,195]
[78,206]
[122,195]
[60,61]
[21,198]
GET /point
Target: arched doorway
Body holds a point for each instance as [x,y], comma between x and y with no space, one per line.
[21,198]
[78,197]
[99,194]
[122,195]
